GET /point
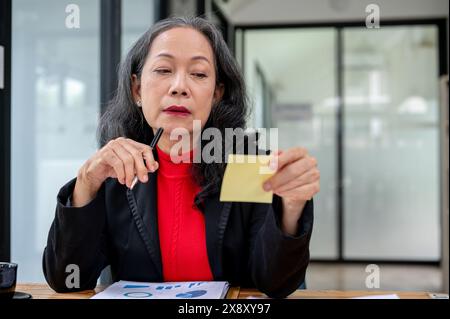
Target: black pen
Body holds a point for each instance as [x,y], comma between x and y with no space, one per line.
[152,146]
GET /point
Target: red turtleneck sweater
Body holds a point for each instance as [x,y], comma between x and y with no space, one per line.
[181,225]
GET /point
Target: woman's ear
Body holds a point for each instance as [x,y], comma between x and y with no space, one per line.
[218,93]
[136,89]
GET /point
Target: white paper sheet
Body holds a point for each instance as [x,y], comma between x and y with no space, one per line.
[166,290]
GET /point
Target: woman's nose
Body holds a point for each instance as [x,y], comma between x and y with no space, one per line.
[179,86]
[177,92]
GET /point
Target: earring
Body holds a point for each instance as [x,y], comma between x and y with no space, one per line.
[139,103]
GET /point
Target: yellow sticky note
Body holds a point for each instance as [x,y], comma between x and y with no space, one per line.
[244,177]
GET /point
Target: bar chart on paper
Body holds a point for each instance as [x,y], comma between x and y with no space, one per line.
[166,290]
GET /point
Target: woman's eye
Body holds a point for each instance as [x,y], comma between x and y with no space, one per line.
[200,75]
[162,71]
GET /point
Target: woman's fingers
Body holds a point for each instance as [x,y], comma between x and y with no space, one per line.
[109,157]
[305,192]
[130,160]
[127,160]
[291,155]
[147,154]
[121,158]
[308,177]
[290,172]
[141,170]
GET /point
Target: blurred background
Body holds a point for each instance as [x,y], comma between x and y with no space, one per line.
[369,101]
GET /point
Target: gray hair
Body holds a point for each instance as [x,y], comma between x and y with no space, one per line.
[124,118]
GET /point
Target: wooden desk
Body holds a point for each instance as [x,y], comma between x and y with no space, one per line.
[336,294]
[42,291]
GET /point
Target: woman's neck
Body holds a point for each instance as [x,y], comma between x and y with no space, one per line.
[165,144]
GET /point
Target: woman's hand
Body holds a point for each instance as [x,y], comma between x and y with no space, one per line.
[121,158]
[296,180]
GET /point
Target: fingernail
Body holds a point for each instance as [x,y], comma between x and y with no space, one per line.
[134,182]
[273,165]
[144,178]
[267,186]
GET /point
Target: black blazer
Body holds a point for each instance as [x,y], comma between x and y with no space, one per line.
[119,227]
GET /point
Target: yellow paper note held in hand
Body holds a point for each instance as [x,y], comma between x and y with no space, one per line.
[244,177]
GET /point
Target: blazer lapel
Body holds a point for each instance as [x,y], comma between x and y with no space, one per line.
[143,205]
[216,219]
[142,202]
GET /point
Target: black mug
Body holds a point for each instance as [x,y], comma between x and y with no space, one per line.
[8,278]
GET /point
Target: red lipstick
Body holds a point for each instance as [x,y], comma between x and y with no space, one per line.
[179,110]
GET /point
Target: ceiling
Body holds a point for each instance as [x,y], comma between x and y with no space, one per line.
[247,12]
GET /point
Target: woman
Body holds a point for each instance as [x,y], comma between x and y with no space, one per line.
[171,226]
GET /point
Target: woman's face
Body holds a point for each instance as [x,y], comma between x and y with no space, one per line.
[178,81]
